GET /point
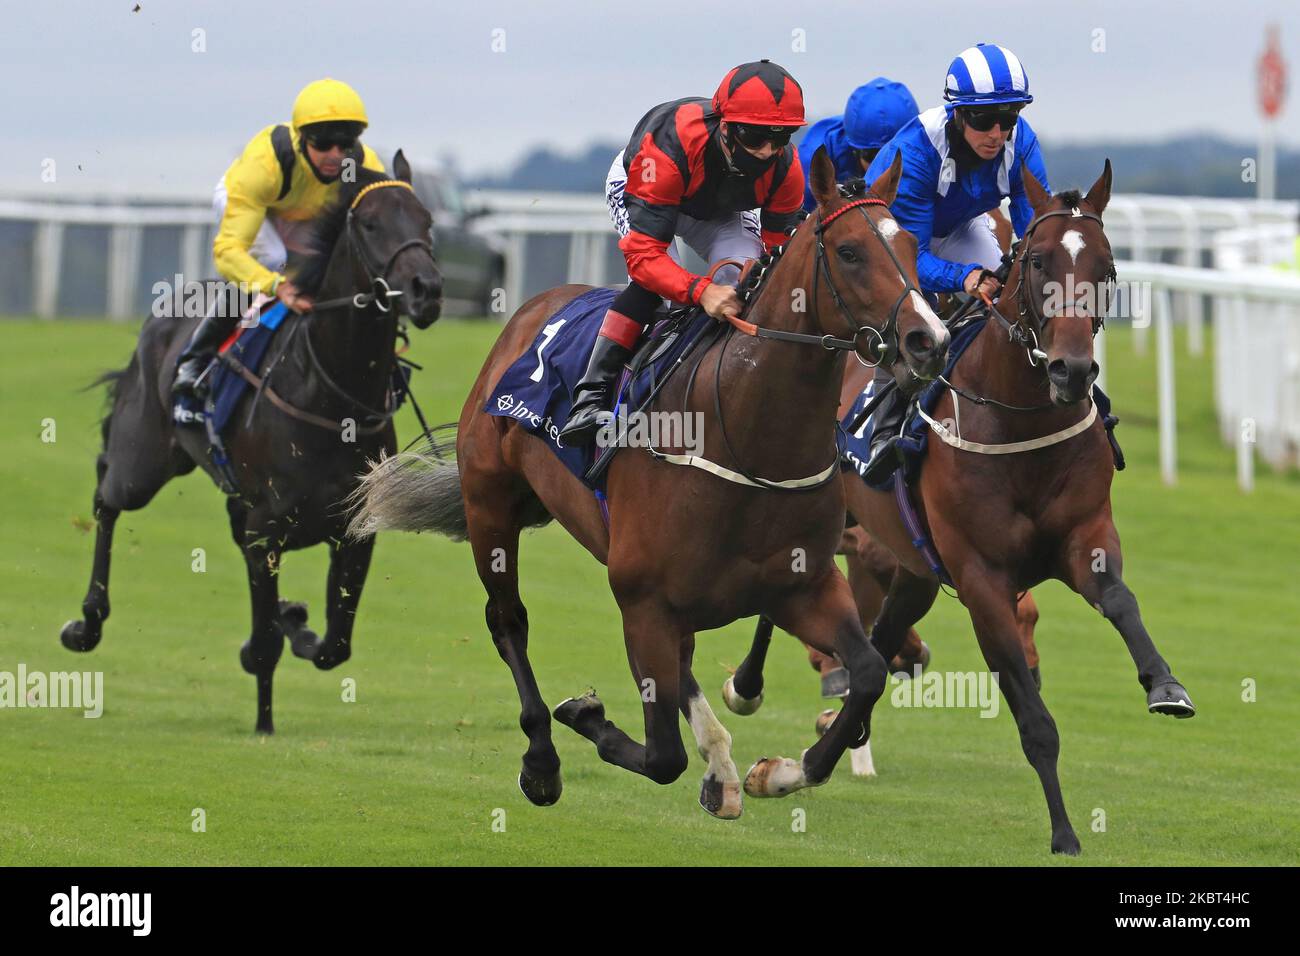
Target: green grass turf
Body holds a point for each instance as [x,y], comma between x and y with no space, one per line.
[413,771]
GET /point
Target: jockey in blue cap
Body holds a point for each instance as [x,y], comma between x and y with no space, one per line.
[960,160]
[875,112]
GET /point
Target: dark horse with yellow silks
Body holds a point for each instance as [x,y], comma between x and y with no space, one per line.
[695,548]
[300,444]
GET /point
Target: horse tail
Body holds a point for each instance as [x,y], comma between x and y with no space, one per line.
[412,491]
[113,379]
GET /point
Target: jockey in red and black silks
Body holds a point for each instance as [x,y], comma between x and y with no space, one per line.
[720,173]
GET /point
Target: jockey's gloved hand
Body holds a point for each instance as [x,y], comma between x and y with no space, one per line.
[982,283]
[290,295]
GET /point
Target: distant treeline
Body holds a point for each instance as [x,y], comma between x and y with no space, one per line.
[1186,166]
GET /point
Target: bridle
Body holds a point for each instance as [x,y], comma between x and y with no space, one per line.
[1026,333]
[886,344]
[379,295]
[380,292]
[1021,332]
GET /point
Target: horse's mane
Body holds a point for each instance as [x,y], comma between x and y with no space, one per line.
[327,228]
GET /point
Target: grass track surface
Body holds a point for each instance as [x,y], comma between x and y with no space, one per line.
[416,769]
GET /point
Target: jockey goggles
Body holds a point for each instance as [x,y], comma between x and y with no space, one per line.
[753,137]
[983,120]
[343,136]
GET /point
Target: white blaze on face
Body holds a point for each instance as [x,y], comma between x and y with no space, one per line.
[934,326]
[888,228]
[1073,242]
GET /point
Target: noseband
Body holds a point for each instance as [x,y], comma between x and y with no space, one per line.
[886,345]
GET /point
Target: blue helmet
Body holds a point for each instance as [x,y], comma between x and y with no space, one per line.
[986,75]
[876,111]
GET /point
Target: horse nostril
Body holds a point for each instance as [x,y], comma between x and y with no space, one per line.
[1093,372]
[1059,372]
[920,344]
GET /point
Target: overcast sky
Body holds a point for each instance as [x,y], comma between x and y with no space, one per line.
[123,95]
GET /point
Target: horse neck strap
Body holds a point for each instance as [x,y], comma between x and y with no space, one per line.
[953,436]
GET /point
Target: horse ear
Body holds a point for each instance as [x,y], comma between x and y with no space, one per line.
[886,185]
[822,178]
[1034,190]
[1099,195]
[401,168]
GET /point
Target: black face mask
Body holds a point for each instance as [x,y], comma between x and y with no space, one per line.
[743,163]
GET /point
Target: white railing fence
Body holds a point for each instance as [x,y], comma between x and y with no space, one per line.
[550,238]
[1257,359]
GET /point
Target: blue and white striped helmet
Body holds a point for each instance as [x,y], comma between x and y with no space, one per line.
[986,74]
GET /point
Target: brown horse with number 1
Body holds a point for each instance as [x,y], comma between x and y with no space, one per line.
[1022,494]
[691,549]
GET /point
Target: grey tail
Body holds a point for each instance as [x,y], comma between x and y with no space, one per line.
[412,491]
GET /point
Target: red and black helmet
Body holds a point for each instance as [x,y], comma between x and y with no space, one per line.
[760,94]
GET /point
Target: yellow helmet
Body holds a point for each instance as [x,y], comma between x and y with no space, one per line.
[328,101]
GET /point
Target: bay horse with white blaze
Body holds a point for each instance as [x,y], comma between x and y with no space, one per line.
[1022,494]
[687,550]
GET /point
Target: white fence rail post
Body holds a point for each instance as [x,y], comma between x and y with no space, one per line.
[1165,385]
[47,265]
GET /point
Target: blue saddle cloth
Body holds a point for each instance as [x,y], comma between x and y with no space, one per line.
[228,386]
[537,390]
[916,432]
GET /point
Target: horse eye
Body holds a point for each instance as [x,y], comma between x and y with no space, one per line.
[1036,261]
[847,254]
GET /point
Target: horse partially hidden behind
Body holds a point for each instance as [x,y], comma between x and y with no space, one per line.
[295,455]
[1004,516]
[687,550]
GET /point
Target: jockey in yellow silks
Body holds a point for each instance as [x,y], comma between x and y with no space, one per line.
[266,202]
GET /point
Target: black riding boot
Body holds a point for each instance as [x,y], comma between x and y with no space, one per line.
[887,421]
[592,395]
[207,338]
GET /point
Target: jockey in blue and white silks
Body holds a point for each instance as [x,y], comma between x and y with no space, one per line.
[876,110]
[959,161]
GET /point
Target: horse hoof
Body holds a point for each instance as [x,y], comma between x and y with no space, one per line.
[541,789]
[304,643]
[824,721]
[1170,698]
[860,761]
[1067,845]
[570,711]
[835,684]
[775,777]
[293,615]
[74,637]
[327,658]
[744,706]
[266,729]
[722,800]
